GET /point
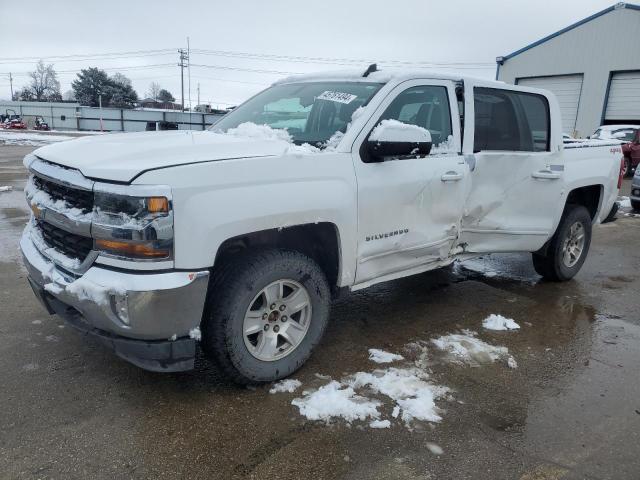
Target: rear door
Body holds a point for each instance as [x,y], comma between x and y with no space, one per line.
[517,179]
[409,209]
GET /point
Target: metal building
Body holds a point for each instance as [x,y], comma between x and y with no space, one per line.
[593,67]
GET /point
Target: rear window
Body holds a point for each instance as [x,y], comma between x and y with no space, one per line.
[510,121]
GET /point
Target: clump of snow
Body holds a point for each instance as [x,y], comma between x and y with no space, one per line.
[335,400]
[435,448]
[288,385]
[446,146]
[403,131]
[7,188]
[380,356]
[511,362]
[53,254]
[465,348]
[173,338]
[498,322]
[195,334]
[42,199]
[261,132]
[85,289]
[408,387]
[379,424]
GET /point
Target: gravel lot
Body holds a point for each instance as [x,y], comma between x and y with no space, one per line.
[570,410]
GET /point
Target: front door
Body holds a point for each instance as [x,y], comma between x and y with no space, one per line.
[517,170]
[409,209]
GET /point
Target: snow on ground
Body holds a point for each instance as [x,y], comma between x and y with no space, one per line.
[288,385]
[625,202]
[380,356]
[498,322]
[379,424]
[335,400]
[34,139]
[435,448]
[7,188]
[465,348]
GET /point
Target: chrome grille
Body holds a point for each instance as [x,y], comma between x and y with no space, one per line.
[71,245]
[75,197]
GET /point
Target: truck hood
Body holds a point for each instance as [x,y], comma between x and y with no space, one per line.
[121,157]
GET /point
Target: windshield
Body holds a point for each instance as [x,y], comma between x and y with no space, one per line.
[309,112]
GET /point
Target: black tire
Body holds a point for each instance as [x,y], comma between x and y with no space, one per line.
[635,205]
[627,171]
[231,293]
[550,264]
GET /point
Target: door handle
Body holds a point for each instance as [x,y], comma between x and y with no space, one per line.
[451,176]
[546,175]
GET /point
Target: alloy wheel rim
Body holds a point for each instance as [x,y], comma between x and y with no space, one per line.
[573,245]
[277,320]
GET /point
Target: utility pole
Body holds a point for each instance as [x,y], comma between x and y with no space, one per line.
[189,72]
[11,84]
[198,93]
[183,56]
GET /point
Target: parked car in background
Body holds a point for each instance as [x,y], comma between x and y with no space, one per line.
[238,238]
[624,133]
[635,191]
[631,152]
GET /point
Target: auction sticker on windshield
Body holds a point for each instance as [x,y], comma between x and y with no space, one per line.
[339,97]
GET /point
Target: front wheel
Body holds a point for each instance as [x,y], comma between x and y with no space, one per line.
[627,171]
[635,204]
[266,312]
[568,248]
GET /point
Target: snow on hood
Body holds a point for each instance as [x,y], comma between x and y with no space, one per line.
[122,156]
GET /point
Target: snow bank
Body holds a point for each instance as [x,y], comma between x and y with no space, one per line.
[380,356]
[465,348]
[6,188]
[288,385]
[498,322]
[336,400]
[33,139]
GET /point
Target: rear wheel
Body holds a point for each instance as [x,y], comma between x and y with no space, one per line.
[568,247]
[266,312]
[635,205]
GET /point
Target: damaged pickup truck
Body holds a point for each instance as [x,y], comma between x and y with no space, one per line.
[239,237]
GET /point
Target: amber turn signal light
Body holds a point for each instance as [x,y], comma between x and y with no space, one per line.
[157,205]
[130,249]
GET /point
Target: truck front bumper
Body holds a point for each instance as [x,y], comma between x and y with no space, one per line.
[145,318]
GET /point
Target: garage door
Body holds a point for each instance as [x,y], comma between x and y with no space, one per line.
[623,103]
[567,89]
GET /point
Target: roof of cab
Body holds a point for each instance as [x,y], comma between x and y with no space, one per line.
[383,75]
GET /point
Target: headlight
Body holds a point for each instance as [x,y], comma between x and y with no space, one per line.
[133,227]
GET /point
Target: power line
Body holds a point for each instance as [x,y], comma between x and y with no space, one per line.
[86,56]
[252,70]
[332,60]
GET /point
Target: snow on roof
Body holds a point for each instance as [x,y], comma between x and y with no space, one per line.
[610,128]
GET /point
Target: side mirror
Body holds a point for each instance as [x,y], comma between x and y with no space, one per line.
[392,138]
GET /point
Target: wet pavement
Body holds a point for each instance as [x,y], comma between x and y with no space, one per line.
[571,410]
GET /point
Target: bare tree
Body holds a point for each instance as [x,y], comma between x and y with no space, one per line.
[121,79]
[44,86]
[154,90]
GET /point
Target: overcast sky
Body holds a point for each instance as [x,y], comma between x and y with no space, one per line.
[468,33]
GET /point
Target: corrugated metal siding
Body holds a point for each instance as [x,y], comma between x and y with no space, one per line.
[606,44]
[567,89]
[624,97]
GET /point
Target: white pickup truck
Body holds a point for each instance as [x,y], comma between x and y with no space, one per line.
[238,237]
